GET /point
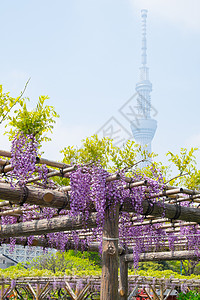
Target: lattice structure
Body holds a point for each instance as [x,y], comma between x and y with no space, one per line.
[21,253]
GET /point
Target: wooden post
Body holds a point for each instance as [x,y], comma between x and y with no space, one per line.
[37,291]
[109,278]
[123,278]
[161,292]
[2,291]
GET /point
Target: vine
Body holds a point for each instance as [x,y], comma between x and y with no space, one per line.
[92,190]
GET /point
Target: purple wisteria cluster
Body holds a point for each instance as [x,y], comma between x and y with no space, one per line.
[90,190]
[24,151]
[23,157]
[93,189]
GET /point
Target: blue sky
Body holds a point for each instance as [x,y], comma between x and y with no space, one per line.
[86,56]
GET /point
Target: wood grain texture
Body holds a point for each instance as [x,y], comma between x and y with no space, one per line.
[109,278]
[123,278]
[46,226]
[168,255]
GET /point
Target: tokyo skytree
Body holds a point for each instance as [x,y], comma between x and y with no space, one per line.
[144,127]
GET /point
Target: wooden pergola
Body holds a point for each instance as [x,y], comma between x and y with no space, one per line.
[170,217]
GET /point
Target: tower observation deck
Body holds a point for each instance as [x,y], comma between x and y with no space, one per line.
[144,130]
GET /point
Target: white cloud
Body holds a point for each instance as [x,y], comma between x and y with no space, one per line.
[183,13]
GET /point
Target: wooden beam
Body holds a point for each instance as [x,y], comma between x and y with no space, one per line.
[171,255]
[40,227]
[52,198]
[34,196]
[187,214]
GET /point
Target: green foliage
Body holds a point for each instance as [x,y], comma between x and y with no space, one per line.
[7,103]
[84,264]
[69,262]
[175,266]
[58,264]
[161,274]
[188,267]
[20,271]
[37,121]
[111,157]
[190,295]
[92,150]
[185,163]
[154,266]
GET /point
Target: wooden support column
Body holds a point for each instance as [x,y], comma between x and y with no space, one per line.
[161,292]
[109,278]
[2,291]
[123,278]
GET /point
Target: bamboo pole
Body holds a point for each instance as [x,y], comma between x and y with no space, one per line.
[15,212]
[174,192]
[9,168]
[43,242]
[173,224]
[191,198]
[109,179]
[54,173]
[4,203]
[39,160]
[5,153]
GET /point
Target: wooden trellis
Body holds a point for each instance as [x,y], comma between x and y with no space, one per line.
[45,287]
[59,197]
[42,288]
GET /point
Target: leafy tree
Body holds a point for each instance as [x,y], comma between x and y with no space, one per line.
[154,266]
[189,177]
[185,163]
[38,121]
[111,157]
[70,261]
[7,103]
[190,295]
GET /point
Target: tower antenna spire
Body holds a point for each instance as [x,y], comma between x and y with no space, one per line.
[144,36]
[144,132]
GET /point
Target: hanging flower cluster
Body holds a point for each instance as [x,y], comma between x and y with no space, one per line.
[92,190]
[23,157]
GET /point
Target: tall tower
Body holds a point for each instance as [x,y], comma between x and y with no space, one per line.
[144,129]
